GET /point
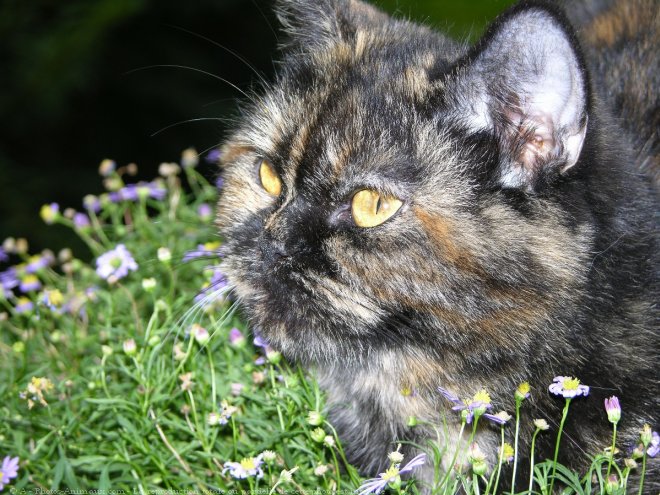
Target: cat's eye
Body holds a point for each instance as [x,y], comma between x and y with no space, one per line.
[371,208]
[269,179]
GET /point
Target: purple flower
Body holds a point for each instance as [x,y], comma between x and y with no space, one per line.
[568,387]
[219,182]
[250,466]
[92,203]
[115,264]
[259,341]
[133,192]
[654,448]
[3,255]
[213,156]
[23,305]
[207,250]
[36,263]
[392,475]
[9,278]
[204,211]
[214,289]
[29,283]
[8,470]
[236,338]
[81,221]
[478,406]
[613,409]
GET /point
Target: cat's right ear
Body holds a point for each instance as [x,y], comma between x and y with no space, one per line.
[320,24]
[525,83]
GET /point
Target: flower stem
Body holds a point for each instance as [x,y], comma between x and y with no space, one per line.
[531,461]
[499,465]
[515,447]
[453,460]
[609,466]
[641,479]
[561,428]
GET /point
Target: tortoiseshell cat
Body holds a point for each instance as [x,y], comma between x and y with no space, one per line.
[401,212]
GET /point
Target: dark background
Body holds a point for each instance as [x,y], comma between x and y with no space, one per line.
[78,84]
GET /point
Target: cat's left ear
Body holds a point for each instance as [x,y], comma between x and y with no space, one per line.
[526,83]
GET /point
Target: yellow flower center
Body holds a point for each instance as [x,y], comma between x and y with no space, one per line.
[391,473]
[211,246]
[248,464]
[481,396]
[523,388]
[571,384]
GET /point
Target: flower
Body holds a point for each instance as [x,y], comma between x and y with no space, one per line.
[107,167]
[249,466]
[236,338]
[164,255]
[189,158]
[169,169]
[92,203]
[206,250]
[392,475]
[508,453]
[23,305]
[226,412]
[50,213]
[568,387]
[214,289]
[477,458]
[611,484]
[522,392]
[129,347]
[8,470]
[654,448]
[186,381]
[205,212]
[3,255]
[115,264]
[314,418]
[213,156]
[200,334]
[37,262]
[320,470]
[80,220]
[613,409]
[30,283]
[35,391]
[396,457]
[541,424]
[477,407]
[318,434]
[236,388]
[268,456]
[53,299]
[213,418]
[149,284]
[329,441]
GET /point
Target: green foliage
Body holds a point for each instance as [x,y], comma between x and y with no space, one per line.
[125,380]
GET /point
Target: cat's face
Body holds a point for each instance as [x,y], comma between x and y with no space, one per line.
[380,196]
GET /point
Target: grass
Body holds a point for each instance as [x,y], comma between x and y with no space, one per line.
[130,385]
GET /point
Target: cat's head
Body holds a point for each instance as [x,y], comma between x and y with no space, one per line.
[394,190]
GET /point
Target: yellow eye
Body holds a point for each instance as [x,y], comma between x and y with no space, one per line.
[371,208]
[269,179]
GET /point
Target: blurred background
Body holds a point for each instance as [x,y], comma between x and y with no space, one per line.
[83,80]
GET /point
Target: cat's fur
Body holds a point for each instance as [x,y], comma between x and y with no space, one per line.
[526,244]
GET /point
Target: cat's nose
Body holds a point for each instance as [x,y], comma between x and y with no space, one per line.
[273,250]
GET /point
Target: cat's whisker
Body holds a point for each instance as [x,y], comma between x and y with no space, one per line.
[228,50]
[193,69]
[187,121]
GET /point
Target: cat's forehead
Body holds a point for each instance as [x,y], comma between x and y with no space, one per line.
[350,115]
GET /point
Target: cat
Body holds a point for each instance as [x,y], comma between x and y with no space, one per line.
[403,213]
